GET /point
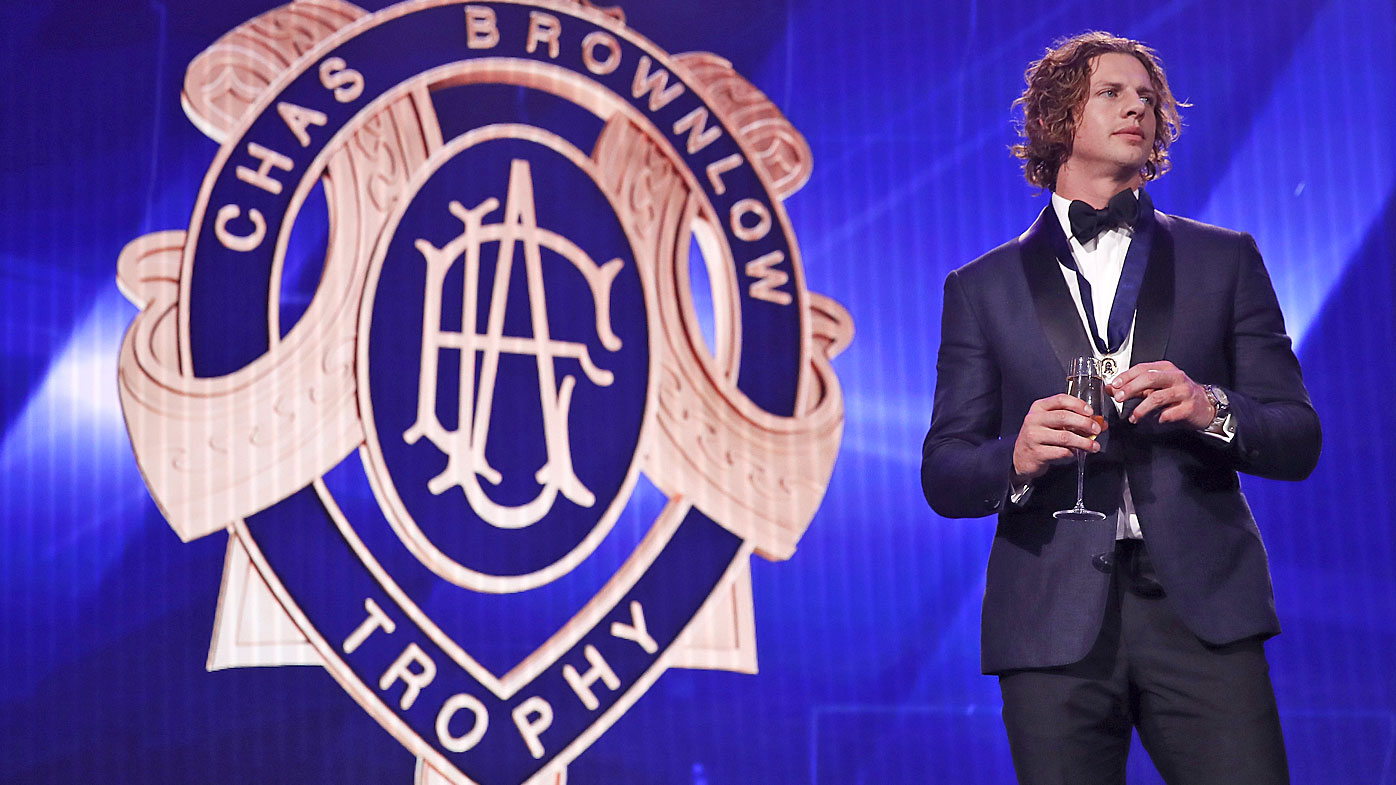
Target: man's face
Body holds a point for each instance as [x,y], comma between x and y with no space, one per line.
[1115,131]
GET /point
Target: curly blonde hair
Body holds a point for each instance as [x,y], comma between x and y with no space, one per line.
[1056,90]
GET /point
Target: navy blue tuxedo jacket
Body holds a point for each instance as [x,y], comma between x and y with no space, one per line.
[1009,330]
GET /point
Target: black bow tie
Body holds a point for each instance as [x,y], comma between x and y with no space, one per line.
[1087,222]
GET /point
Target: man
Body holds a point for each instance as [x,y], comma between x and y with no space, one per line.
[1155,616]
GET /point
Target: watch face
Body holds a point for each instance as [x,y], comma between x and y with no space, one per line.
[1218,396]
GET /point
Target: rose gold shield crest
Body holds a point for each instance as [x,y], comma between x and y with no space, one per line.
[218,450]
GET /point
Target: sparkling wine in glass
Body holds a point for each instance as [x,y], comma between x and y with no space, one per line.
[1084,382]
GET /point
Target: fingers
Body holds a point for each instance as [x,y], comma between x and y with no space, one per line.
[1036,448]
[1067,420]
[1059,402]
[1064,429]
[1052,429]
[1192,408]
[1143,379]
[1166,390]
[1068,441]
[1140,369]
[1062,413]
[1158,400]
[1047,455]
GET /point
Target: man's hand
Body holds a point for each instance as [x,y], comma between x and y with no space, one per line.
[1051,430]
[1165,390]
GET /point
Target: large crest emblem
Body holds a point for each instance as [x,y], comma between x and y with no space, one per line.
[489,348]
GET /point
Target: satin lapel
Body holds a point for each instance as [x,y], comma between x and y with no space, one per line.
[1153,319]
[1051,298]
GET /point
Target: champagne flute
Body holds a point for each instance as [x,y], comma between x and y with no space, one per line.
[1085,383]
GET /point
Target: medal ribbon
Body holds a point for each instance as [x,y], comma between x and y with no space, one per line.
[1131,279]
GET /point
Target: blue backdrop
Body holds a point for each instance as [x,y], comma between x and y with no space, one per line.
[868,637]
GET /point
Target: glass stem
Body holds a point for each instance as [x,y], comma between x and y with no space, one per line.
[1080,479]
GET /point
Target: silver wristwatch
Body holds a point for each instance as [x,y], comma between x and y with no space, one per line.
[1217,397]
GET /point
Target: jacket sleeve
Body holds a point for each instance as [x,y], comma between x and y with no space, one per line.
[965,466]
[1277,430]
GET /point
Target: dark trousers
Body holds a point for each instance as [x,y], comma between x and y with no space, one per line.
[1205,714]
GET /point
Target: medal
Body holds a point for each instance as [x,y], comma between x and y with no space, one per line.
[1108,368]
